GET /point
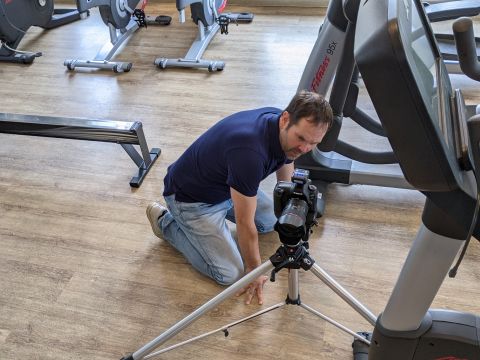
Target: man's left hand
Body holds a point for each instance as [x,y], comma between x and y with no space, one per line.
[255,288]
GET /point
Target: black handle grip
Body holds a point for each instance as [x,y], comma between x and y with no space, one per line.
[466,47]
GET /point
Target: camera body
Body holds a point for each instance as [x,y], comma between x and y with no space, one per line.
[295,206]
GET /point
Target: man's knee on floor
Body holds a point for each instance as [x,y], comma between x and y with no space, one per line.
[230,275]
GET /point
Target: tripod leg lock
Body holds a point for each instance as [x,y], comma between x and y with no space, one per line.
[272,276]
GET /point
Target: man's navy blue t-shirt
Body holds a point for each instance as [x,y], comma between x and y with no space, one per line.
[239,152]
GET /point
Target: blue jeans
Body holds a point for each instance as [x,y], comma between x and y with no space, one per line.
[200,232]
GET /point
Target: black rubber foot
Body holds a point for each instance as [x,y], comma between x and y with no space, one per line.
[20,58]
[128,357]
[142,171]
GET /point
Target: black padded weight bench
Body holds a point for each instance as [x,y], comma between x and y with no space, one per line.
[124,133]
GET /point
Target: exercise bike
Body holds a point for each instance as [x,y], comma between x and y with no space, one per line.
[122,18]
[207,15]
[16,17]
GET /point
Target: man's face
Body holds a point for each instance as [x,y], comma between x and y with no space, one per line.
[300,138]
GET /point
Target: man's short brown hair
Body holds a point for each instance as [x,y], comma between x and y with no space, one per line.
[310,105]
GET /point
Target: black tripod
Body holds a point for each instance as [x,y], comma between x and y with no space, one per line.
[290,257]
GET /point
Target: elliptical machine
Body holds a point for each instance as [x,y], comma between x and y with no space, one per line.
[207,15]
[437,146]
[16,17]
[334,160]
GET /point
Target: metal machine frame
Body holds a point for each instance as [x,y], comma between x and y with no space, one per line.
[118,16]
[206,14]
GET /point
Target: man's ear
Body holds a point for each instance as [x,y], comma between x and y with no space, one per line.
[284,120]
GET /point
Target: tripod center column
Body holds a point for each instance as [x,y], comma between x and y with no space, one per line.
[293,291]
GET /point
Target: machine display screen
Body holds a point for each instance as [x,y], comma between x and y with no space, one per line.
[423,61]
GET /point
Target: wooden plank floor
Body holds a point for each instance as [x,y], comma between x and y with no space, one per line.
[81,274]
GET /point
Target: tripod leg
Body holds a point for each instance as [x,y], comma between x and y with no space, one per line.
[182,324]
[335,323]
[294,298]
[223,328]
[343,293]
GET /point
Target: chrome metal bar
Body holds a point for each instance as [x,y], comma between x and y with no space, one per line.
[293,286]
[335,323]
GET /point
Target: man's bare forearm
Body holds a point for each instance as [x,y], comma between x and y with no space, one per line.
[248,243]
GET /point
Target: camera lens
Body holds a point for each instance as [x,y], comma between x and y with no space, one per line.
[291,224]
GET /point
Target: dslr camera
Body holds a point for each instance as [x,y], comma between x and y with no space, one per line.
[295,206]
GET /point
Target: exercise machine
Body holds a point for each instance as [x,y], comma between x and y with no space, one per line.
[332,64]
[394,41]
[16,17]
[125,133]
[437,146]
[207,15]
[122,18]
[118,16]
[450,10]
